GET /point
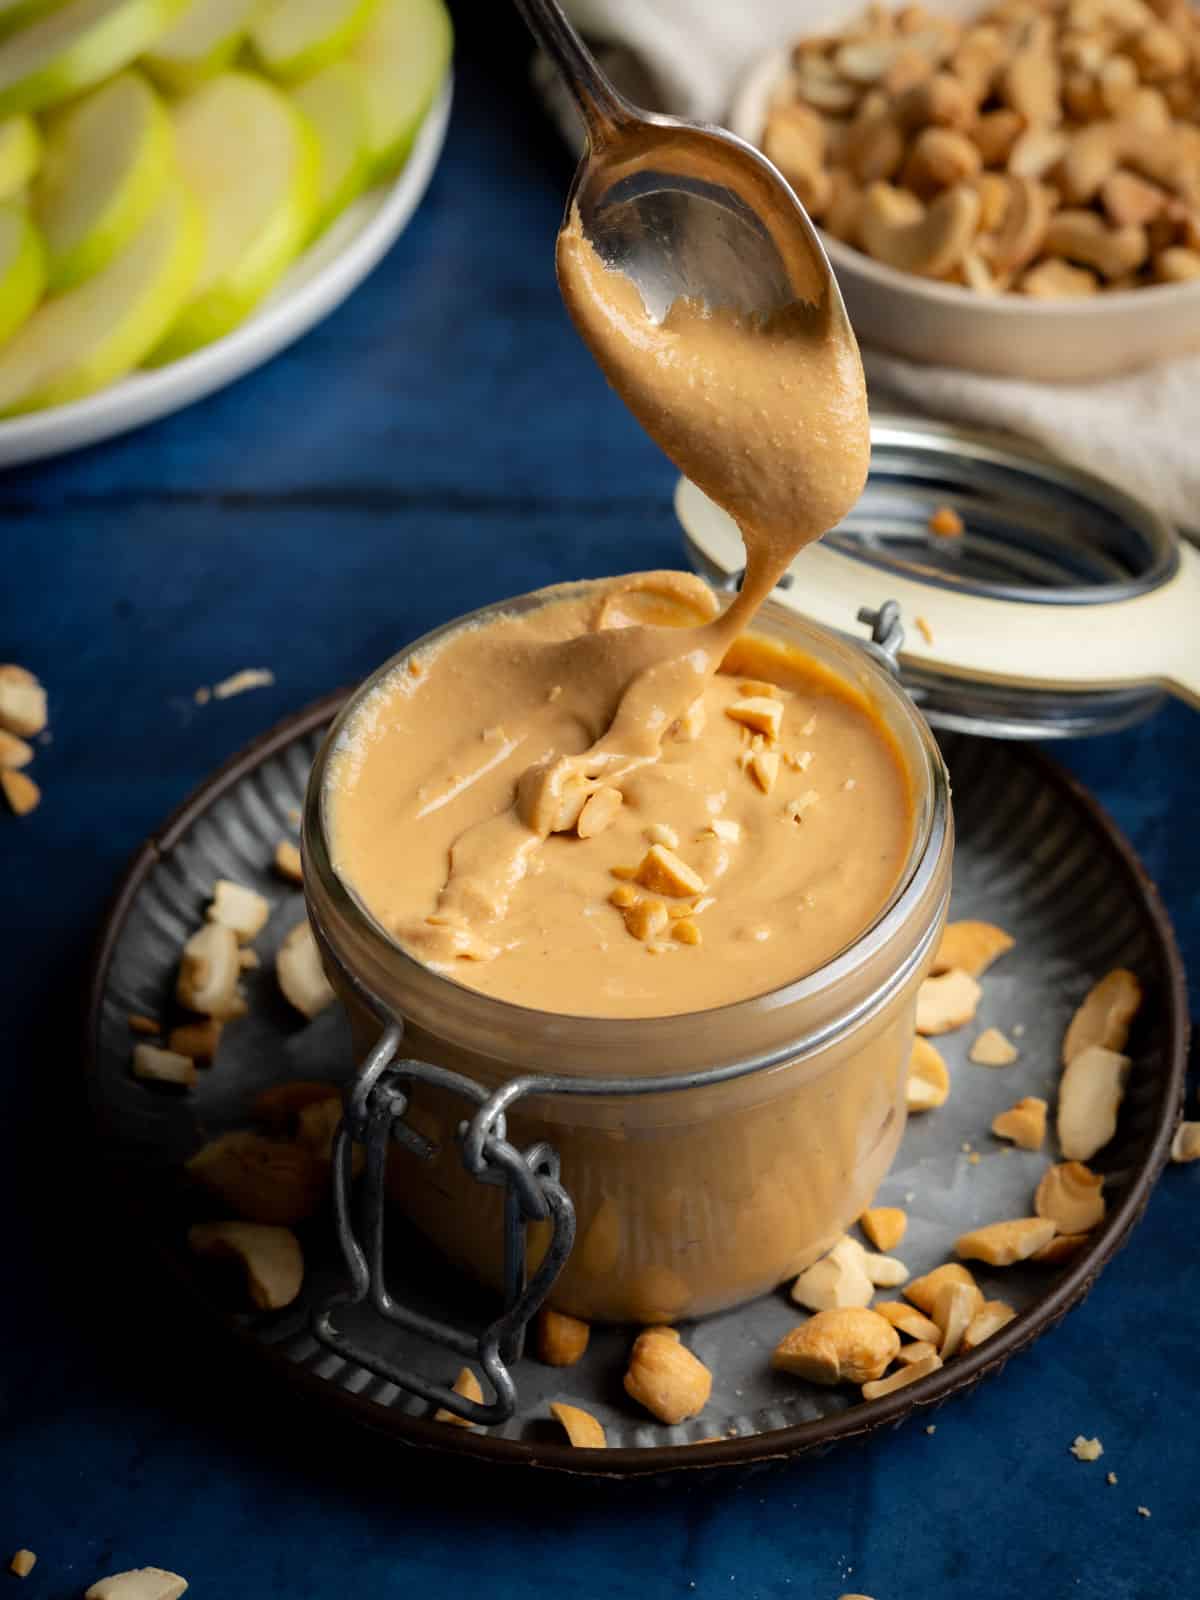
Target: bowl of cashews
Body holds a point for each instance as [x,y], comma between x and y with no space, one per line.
[1013,190]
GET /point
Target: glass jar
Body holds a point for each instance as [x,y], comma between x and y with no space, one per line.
[695,1199]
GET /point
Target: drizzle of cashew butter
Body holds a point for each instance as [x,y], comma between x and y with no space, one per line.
[458,787]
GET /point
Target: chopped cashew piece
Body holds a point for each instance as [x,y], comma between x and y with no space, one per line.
[1071,1196]
[923,1291]
[663,872]
[209,972]
[1086,1449]
[839,1279]
[141,1024]
[1024,1123]
[918,1350]
[884,1225]
[197,1040]
[163,1066]
[14,752]
[22,1563]
[467,1385]
[946,523]
[1063,1247]
[1104,1016]
[955,1307]
[248,678]
[599,810]
[764,769]
[989,1319]
[271,1258]
[1001,1244]
[22,794]
[687,932]
[234,906]
[910,1321]
[287,861]
[885,1272]
[561,1340]
[970,947]
[144,1583]
[265,1180]
[797,809]
[844,1345]
[646,919]
[1090,1092]
[901,1379]
[582,1429]
[758,712]
[666,1378]
[22,703]
[992,1049]
[928,1083]
[725,829]
[947,1002]
[300,974]
[1185,1146]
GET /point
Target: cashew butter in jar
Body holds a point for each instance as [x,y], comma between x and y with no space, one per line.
[766,892]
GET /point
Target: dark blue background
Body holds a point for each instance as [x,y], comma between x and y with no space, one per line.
[441,441]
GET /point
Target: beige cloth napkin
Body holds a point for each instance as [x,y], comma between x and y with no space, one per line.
[1143,429]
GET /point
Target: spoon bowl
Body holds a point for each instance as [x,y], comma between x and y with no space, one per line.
[683,209]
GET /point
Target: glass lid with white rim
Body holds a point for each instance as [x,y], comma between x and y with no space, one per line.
[1036,599]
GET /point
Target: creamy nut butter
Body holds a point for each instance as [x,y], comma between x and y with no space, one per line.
[767,834]
[615,829]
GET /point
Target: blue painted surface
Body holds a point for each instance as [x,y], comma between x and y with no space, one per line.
[440,441]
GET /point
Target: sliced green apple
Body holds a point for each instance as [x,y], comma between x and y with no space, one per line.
[74,47]
[22,269]
[253,164]
[293,38]
[77,342]
[404,54]
[201,43]
[16,13]
[335,103]
[20,152]
[108,159]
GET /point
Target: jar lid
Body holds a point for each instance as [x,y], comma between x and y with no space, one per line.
[1065,607]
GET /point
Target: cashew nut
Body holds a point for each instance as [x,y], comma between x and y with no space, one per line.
[299,972]
[938,158]
[1086,238]
[1000,1244]
[1057,280]
[666,1378]
[930,243]
[209,970]
[795,141]
[971,946]
[996,133]
[1023,231]
[1177,265]
[940,99]
[847,1345]
[143,1583]
[1071,1195]
[1104,1015]
[1129,201]
[270,1257]
[1090,1092]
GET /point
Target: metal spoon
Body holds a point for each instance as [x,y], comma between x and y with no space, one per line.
[682,208]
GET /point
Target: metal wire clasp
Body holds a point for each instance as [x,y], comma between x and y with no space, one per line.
[374,1116]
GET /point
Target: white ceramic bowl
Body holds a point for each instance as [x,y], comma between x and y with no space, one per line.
[943,324]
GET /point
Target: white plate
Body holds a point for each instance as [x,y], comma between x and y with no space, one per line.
[315,285]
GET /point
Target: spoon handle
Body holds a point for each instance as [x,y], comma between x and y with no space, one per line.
[601,107]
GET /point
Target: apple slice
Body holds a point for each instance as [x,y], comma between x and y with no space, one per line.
[335,103]
[253,163]
[74,47]
[293,38]
[404,54]
[108,159]
[200,44]
[16,13]
[75,343]
[20,152]
[22,270]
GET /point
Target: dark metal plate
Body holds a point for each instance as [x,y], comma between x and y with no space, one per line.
[1035,854]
